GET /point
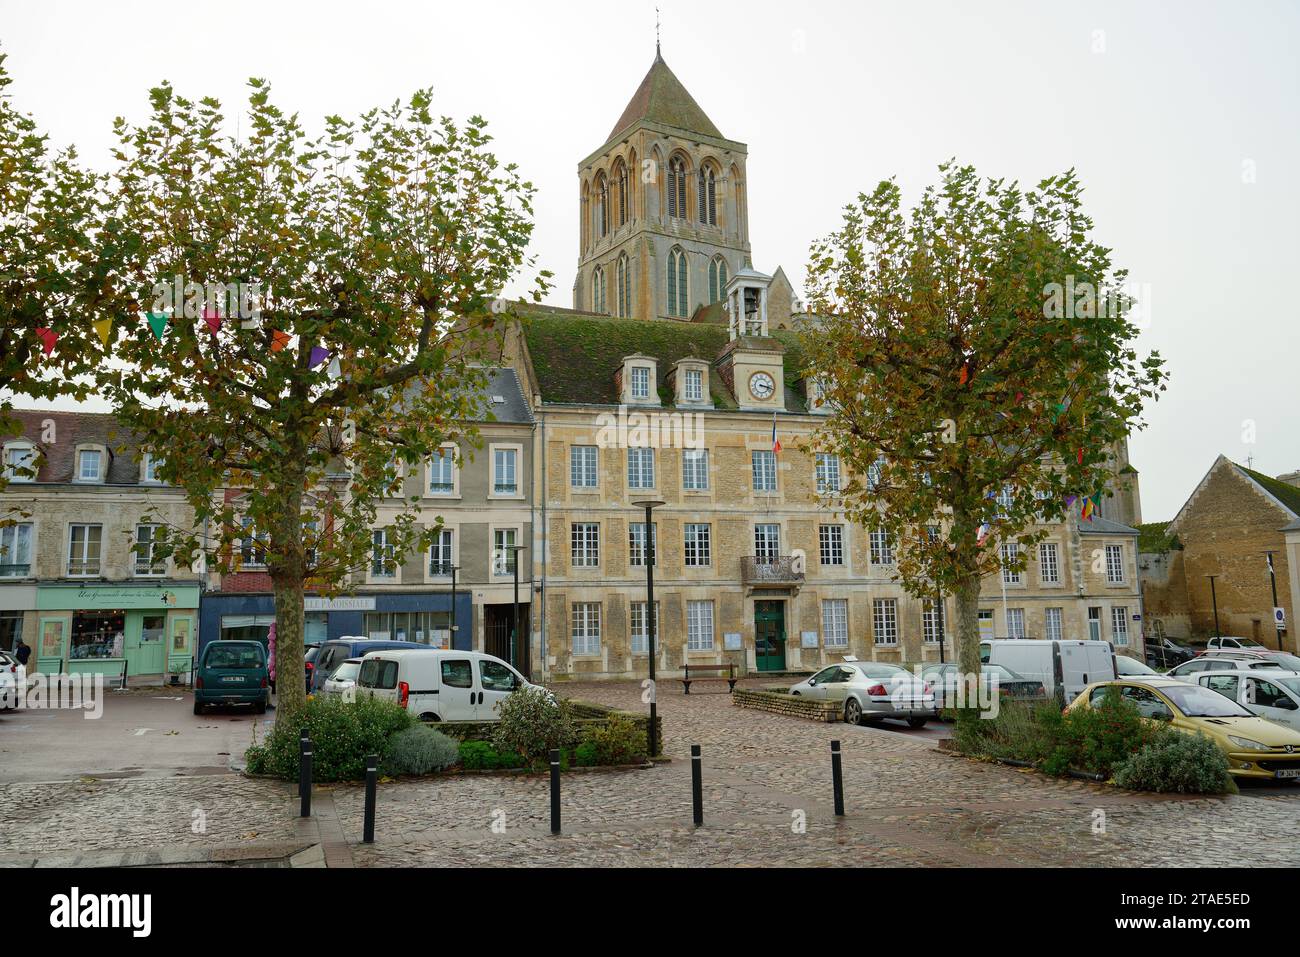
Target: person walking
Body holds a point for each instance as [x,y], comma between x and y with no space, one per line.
[22,651]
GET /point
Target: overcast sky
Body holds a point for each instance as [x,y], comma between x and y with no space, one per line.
[1181,118]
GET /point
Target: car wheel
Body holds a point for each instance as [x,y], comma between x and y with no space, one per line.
[430,718]
[917,722]
[259,708]
[852,712]
[198,708]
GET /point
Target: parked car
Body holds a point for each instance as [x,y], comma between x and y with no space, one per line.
[1010,686]
[1274,695]
[1223,662]
[1283,659]
[1064,667]
[309,664]
[867,692]
[438,685]
[13,677]
[1164,653]
[1230,643]
[338,650]
[1126,667]
[232,672]
[344,679]
[1254,747]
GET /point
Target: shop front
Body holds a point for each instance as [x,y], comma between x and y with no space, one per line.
[93,628]
[421,617]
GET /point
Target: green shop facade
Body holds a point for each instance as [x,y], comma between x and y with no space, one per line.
[148,629]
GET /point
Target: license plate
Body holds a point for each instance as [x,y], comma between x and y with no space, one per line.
[233,679]
[1288,773]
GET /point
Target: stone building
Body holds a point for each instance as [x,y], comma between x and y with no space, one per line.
[78,578]
[484,497]
[669,381]
[1233,521]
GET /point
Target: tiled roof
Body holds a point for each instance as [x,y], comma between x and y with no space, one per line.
[70,429]
[1104,526]
[662,99]
[1287,495]
[576,355]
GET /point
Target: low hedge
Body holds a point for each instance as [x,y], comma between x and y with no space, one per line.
[342,734]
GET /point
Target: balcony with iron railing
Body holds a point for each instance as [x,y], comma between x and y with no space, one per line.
[781,571]
[15,571]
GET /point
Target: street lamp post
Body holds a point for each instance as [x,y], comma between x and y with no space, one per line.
[514,551]
[652,734]
[1214,597]
[454,570]
[1273,577]
[938,622]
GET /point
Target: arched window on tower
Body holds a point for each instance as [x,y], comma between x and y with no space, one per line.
[677,284]
[598,290]
[708,196]
[717,279]
[621,194]
[624,286]
[676,188]
[602,206]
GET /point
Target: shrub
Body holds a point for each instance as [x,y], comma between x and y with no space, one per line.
[584,755]
[532,722]
[1100,738]
[342,734]
[419,750]
[618,740]
[1022,731]
[1179,763]
[481,756]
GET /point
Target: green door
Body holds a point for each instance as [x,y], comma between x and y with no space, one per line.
[769,635]
[146,642]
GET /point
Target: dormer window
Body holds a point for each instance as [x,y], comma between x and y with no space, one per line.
[693,385]
[149,469]
[690,378]
[92,464]
[815,389]
[640,382]
[20,462]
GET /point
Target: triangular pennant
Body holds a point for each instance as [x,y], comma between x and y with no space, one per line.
[158,323]
[279,340]
[334,371]
[1069,502]
[48,338]
[103,328]
[319,354]
[1080,456]
[213,319]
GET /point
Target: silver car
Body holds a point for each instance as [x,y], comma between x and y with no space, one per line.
[867,692]
[344,680]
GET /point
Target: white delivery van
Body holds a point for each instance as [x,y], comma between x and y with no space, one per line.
[1064,667]
[439,685]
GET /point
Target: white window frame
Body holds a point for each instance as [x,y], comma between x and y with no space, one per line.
[518,450]
[584,629]
[1119,625]
[584,544]
[830,545]
[259,540]
[639,386]
[635,549]
[762,464]
[444,541]
[149,465]
[884,622]
[500,556]
[835,622]
[390,553]
[1049,563]
[701,547]
[447,454]
[828,473]
[693,385]
[880,547]
[1016,623]
[771,544]
[1116,573]
[639,632]
[152,569]
[1053,623]
[85,559]
[699,617]
[584,463]
[1010,552]
[101,472]
[637,461]
[29,458]
[8,549]
[932,623]
[695,465]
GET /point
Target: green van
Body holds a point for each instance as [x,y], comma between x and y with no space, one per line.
[232,672]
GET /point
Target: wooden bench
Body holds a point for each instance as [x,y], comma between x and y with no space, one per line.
[725,673]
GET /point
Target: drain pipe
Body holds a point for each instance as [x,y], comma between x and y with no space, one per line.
[542,609]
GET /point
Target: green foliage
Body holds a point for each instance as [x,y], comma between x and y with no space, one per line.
[1177,763]
[419,750]
[481,756]
[584,755]
[616,741]
[342,734]
[532,722]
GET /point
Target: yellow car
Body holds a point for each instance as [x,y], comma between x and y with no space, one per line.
[1254,747]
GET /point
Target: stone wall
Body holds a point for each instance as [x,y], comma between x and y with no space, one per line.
[776,703]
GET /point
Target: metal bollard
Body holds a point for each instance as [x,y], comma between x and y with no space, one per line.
[124,676]
[837,778]
[304,780]
[372,780]
[555,791]
[697,785]
[304,745]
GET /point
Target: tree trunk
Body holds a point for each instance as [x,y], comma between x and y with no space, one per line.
[968,625]
[287,566]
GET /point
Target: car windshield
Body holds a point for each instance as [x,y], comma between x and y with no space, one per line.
[237,658]
[347,671]
[1197,702]
[1131,666]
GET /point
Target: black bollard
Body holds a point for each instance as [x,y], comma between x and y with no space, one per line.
[697,785]
[555,791]
[304,781]
[304,745]
[372,779]
[124,676]
[837,778]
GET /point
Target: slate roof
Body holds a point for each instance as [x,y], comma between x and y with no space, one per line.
[661,98]
[71,429]
[576,355]
[1287,495]
[515,409]
[1104,526]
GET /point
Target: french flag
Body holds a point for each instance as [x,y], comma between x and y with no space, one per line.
[776,443]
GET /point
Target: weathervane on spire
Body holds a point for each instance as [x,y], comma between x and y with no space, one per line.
[657,53]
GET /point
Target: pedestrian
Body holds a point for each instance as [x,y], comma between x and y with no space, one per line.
[22,651]
[270,661]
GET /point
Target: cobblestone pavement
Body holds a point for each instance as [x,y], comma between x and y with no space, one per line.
[767,801]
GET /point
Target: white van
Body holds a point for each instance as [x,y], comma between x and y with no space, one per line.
[1064,667]
[439,685]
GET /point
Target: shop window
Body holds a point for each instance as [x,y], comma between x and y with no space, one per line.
[11,629]
[97,634]
[431,628]
[246,627]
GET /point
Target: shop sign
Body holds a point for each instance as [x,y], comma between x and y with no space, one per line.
[339,604]
[78,597]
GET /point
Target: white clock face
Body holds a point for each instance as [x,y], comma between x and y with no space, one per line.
[761,385]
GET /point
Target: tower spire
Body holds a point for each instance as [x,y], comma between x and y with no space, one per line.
[658,54]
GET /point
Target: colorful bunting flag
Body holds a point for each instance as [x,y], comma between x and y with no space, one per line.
[104,327]
[983,536]
[158,323]
[213,318]
[279,340]
[334,372]
[1069,502]
[1080,456]
[48,338]
[319,354]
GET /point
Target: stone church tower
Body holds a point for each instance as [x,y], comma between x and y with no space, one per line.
[664,219]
